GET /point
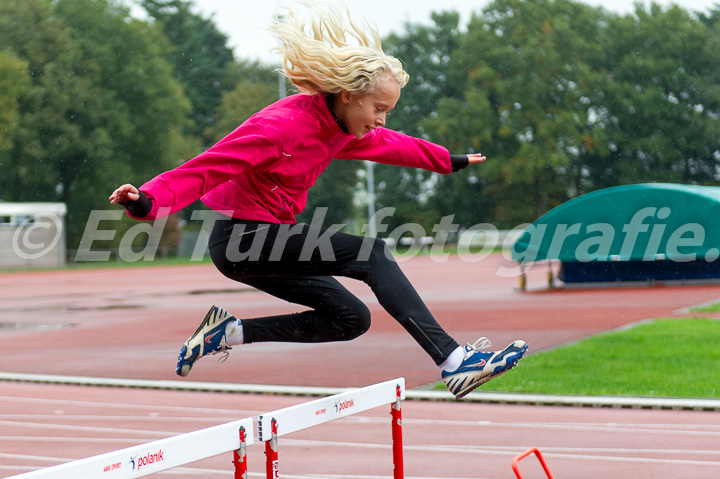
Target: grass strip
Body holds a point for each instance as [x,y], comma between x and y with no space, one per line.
[710,308]
[665,357]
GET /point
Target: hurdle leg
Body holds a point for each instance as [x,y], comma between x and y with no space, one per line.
[271,454]
[396,413]
[240,458]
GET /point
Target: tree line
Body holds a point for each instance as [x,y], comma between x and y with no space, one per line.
[562,98]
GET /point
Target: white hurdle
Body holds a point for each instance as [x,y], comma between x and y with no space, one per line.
[302,416]
[157,456]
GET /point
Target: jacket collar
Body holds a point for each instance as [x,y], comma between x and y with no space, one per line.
[328,98]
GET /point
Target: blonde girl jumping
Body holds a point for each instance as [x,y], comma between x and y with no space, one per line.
[258,179]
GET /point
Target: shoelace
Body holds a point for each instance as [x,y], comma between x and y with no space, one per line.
[224,350]
[482,343]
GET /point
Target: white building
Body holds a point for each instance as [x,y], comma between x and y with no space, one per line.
[32,235]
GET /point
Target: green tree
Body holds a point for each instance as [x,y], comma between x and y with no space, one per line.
[143,108]
[13,78]
[95,113]
[711,86]
[524,64]
[201,56]
[564,99]
[425,52]
[661,105]
[255,86]
[55,108]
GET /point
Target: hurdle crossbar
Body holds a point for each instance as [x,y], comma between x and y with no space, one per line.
[157,456]
[302,416]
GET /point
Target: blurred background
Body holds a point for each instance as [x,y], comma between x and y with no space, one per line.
[563,97]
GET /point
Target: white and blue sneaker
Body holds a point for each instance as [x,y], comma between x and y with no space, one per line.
[209,338]
[480,367]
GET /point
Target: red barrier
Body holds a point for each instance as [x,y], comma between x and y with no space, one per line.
[527,453]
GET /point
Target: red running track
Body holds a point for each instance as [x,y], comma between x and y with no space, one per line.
[130,322]
[46,425]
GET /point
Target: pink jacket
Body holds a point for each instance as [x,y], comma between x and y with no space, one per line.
[262,171]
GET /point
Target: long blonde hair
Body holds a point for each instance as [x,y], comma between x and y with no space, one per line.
[322,60]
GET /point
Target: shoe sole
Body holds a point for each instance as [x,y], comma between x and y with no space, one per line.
[502,370]
[180,369]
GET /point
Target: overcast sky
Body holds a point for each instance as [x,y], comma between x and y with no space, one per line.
[245,21]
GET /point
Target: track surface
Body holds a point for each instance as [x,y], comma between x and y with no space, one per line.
[130,322]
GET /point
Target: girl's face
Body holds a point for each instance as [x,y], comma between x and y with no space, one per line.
[367,111]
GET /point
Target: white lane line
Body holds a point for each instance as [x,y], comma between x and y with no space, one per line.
[200,472]
[74,439]
[86,417]
[550,452]
[456,448]
[68,427]
[500,450]
[110,405]
[485,397]
[681,429]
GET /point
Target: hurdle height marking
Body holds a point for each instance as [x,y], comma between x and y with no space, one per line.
[396,413]
[302,416]
[240,456]
[271,452]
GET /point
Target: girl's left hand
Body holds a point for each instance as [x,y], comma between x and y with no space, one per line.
[476,158]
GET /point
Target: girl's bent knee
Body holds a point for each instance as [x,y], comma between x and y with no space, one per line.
[380,251]
[356,322]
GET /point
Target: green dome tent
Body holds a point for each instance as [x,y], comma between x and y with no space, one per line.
[638,232]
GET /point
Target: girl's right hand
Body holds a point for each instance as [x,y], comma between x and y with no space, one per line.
[476,158]
[124,194]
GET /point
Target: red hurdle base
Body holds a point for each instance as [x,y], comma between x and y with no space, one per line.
[527,453]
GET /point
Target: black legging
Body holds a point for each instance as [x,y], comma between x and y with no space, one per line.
[296,263]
